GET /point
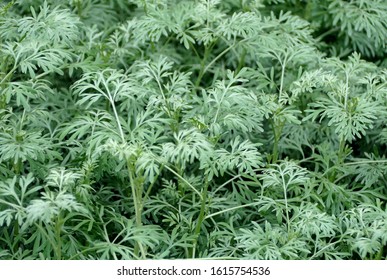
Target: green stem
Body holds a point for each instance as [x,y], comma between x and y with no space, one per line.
[17,166]
[379,255]
[16,244]
[185,181]
[117,119]
[180,185]
[146,196]
[3,102]
[241,62]
[234,178]
[145,7]
[341,151]
[220,55]
[282,77]
[43,231]
[194,49]
[232,208]
[308,11]
[137,203]
[340,160]
[346,91]
[207,52]
[97,247]
[277,131]
[285,186]
[202,66]
[221,101]
[365,162]
[8,76]
[200,218]
[58,243]
[79,8]
[166,102]
[327,33]
[325,247]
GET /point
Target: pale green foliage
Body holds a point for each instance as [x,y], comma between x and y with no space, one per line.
[50,205]
[149,129]
[190,145]
[350,109]
[362,23]
[15,193]
[229,107]
[243,156]
[366,228]
[284,176]
[268,242]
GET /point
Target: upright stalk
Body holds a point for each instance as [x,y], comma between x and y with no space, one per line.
[111,100]
[58,238]
[79,8]
[277,131]
[137,201]
[207,52]
[285,186]
[277,127]
[341,153]
[136,188]
[200,218]
[282,78]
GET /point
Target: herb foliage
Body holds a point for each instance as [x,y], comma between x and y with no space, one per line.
[146,129]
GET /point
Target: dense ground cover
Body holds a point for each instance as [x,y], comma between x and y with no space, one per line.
[234,129]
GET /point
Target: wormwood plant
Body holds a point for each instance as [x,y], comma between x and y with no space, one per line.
[149,129]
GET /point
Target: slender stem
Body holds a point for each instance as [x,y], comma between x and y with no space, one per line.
[203,69]
[200,218]
[329,32]
[340,160]
[234,178]
[185,181]
[166,102]
[136,201]
[285,186]
[9,74]
[341,150]
[194,49]
[379,255]
[241,62]
[11,204]
[18,166]
[231,209]
[283,68]
[79,8]
[325,247]
[277,130]
[16,244]
[117,119]
[146,196]
[202,66]
[58,229]
[180,185]
[221,101]
[99,246]
[365,162]
[145,7]
[346,91]
[220,55]
[308,11]
[283,64]
[43,231]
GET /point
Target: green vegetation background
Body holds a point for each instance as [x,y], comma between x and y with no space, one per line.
[236,129]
